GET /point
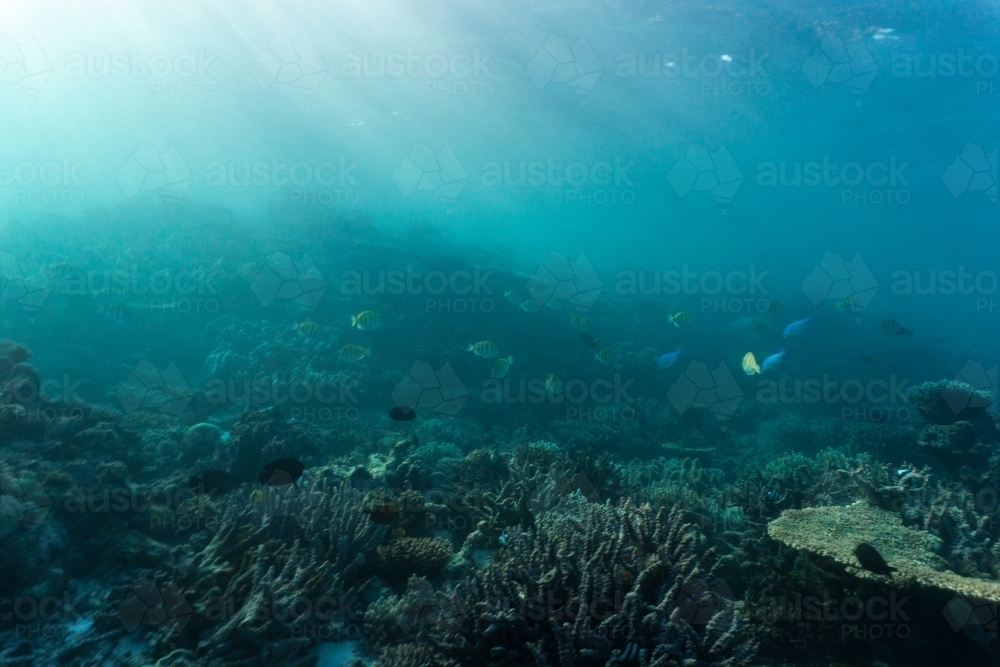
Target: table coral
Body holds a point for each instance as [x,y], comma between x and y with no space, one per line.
[835,532]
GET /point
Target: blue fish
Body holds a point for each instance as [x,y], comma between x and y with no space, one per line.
[795,328]
[667,360]
[772,362]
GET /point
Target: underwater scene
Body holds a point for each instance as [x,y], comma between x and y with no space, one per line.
[452,333]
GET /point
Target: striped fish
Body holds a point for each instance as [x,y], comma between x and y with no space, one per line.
[484,348]
[501,367]
[366,320]
[354,353]
[605,356]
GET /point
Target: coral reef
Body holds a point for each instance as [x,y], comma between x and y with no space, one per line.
[413,655]
[947,401]
[274,570]
[592,585]
[414,555]
[835,532]
[960,437]
[264,435]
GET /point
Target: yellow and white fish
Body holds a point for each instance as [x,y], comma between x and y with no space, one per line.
[750,365]
[605,356]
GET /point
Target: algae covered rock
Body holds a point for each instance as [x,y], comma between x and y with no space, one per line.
[836,531]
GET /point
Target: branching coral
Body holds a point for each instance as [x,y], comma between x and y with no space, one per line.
[275,571]
[594,585]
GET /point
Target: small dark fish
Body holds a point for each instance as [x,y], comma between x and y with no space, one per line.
[872,560]
[866,359]
[590,341]
[384,514]
[212,482]
[282,471]
[402,413]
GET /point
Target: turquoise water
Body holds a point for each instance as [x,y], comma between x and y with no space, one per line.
[234,237]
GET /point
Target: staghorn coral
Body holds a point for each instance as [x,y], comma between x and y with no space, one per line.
[275,569]
[835,532]
[414,555]
[413,655]
[396,618]
[589,585]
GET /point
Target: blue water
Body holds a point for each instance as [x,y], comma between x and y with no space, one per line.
[198,195]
